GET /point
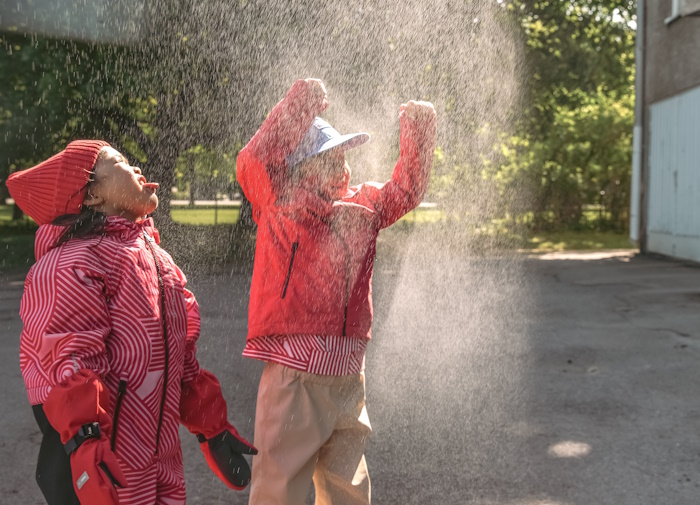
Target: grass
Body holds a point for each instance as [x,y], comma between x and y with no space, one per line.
[205,215]
[17,237]
[581,240]
[16,251]
[424,215]
[16,241]
[229,215]
[6,218]
[542,241]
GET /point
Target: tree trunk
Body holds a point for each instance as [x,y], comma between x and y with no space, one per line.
[163,172]
[190,162]
[162,161]
[17,213]
[245,218]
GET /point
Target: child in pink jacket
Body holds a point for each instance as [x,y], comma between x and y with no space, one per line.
[108,348]
[310,311]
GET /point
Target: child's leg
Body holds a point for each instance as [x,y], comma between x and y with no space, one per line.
[53,472]
[141,486]
[294,417]
[171,482]
[162,483]
[341,476]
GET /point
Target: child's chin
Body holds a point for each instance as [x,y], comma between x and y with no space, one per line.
[153,205]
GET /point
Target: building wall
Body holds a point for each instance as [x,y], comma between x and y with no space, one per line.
[674,176]
[671,102]
[671,52]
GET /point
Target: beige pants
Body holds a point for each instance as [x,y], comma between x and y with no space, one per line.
[310,426]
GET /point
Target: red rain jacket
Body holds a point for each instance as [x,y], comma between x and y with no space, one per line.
[94,304]
[314,258]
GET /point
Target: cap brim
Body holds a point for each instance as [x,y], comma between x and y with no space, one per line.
[344,141]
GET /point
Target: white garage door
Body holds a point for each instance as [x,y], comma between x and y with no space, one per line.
[674,177]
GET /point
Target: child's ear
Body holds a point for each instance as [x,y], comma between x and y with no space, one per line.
[91,200]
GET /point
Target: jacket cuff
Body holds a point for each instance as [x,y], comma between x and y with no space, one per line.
[79,400]
[202,406]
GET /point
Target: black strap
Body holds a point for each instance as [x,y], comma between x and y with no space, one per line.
[161,294]
[86,431]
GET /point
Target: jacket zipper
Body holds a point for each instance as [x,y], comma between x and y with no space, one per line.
[347,279]
[161,295]
[347,287]
[115,422]
[295,245]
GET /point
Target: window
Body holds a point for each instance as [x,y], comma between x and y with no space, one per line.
[680,8]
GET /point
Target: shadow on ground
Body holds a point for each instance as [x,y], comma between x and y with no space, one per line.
[561,379]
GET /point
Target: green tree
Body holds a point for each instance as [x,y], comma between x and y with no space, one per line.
[204,173]
[582,163]
[52,91]
[572,149]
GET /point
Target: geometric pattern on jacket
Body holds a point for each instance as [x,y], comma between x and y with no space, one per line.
[94,304]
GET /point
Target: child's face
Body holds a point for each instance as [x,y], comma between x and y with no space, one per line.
[328,174]
[119,189]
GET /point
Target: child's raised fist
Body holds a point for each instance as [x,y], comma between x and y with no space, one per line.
[311,92]
[416,110]
[316,87]
[419,121]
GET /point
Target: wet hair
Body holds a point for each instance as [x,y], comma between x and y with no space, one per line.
[87,223]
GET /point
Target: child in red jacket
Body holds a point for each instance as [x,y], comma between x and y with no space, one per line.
[310,308]
[108,348]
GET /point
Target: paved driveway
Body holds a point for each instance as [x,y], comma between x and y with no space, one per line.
[565,379]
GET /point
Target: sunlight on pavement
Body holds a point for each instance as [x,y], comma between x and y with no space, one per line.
[539,501]
[622,255]
[569,449]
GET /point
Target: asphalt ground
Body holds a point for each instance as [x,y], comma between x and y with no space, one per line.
[560,379]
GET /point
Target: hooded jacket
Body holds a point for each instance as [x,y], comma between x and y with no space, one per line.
[95,304]
[314,258]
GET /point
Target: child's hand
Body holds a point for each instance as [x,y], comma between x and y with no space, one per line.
[417,111]
[318,91]
[419,121]
[311,92]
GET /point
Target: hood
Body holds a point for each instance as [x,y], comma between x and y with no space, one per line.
[48,234]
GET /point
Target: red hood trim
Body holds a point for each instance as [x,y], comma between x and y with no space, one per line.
[48,234]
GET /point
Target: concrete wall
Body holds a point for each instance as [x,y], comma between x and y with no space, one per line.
[668,192]
[672,61]
[106,21]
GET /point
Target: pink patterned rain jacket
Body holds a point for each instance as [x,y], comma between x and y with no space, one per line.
[94,304]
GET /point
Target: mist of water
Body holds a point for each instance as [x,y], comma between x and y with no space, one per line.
[443,367]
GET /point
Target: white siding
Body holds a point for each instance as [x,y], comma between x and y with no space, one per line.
[674,176]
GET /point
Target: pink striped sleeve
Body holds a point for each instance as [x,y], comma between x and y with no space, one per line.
[193,327]
[65,317]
